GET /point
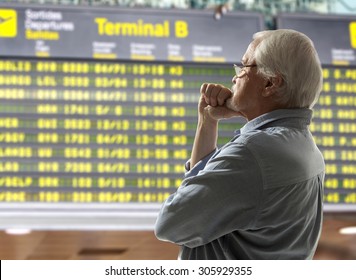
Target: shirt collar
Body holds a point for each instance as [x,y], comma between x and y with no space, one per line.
[300,117]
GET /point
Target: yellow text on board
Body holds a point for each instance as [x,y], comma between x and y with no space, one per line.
[141,28]
[352,29]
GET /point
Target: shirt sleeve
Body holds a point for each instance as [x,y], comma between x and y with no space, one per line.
[197,167]
[223,197]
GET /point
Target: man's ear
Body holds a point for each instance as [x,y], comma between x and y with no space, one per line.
[272,85]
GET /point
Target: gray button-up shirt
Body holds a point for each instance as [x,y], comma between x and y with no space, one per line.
[258,197]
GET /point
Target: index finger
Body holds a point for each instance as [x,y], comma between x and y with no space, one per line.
[203,88]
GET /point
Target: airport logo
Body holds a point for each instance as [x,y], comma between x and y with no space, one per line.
[8,23]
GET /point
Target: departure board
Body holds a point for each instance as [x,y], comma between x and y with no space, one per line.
[109,132]
[334,130]
[125,34]
[98,108]
[74,131]
[95,135]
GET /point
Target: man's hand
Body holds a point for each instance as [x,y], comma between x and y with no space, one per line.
[212,104]
[212,108]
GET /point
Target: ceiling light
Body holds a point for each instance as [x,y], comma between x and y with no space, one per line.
[18,231]
[348,230]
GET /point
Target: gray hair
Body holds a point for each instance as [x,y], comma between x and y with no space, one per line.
[291,55]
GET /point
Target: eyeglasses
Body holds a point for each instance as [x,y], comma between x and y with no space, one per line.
[239,69]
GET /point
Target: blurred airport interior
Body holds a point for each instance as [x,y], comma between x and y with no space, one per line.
[98,113]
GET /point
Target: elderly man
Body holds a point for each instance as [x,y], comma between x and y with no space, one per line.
[259,196]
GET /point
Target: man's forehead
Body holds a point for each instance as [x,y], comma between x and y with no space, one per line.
[249,54]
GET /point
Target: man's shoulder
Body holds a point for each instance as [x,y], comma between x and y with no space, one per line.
[276,142]
[264,136]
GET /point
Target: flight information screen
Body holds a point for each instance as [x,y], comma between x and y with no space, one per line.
[108,132]
[98,108]
[98,131]
[334,130]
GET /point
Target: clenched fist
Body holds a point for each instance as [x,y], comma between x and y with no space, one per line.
[213,102]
